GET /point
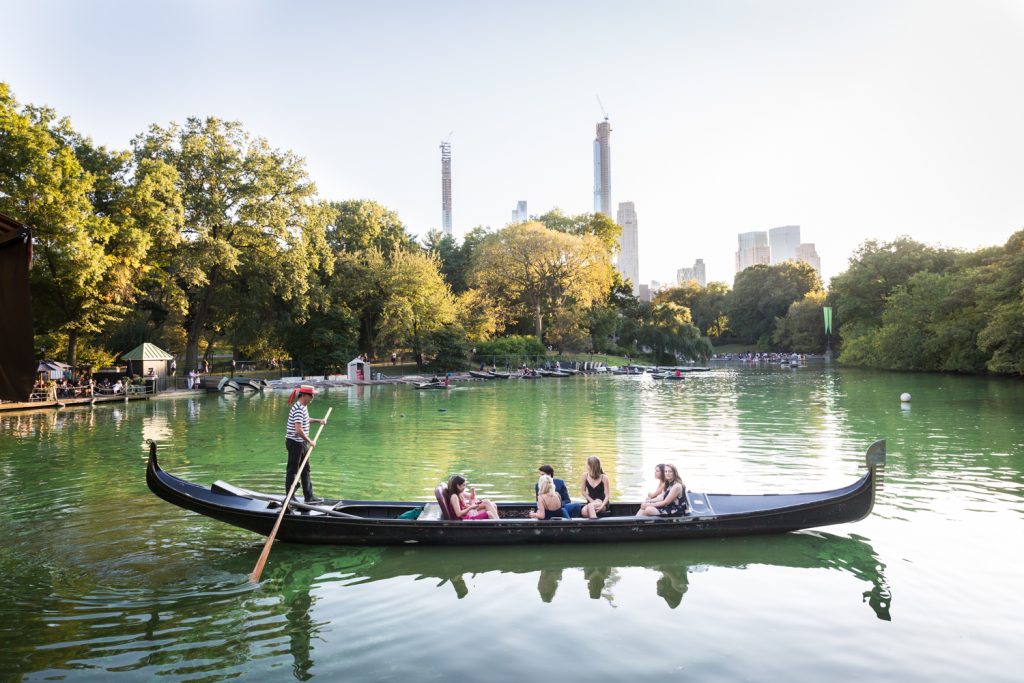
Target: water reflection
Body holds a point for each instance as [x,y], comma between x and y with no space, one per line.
[668,565]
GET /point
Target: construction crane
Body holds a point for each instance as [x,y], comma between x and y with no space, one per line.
[602,107]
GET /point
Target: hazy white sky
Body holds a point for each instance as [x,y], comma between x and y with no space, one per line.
[854,120]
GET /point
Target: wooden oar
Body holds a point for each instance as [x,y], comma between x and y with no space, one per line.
[258,570]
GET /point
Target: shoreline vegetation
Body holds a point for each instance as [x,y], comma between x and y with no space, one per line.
[202,238]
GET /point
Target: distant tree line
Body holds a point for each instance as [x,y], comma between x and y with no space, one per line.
[202,235]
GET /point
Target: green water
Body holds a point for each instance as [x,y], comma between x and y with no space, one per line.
[100,580]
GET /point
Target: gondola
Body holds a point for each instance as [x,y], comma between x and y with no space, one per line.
[366,522]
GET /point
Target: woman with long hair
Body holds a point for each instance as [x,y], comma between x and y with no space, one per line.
[659,476]
[549,503]
[597,489]
[468,508]
[672,502]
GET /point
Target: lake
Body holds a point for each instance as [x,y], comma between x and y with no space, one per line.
[100,580]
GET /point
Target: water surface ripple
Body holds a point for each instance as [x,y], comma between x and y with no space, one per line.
[100,580]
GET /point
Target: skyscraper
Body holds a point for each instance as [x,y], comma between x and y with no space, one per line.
[783,242]
[519,213]
[603,169]
[446,187]
[808,254]
[753,249]
[698,273]
[629,246]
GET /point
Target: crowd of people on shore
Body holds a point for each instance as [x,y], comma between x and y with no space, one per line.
[765,357]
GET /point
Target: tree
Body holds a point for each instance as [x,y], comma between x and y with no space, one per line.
[251,227]
[542,270]
[858,295]
[456,260]
[361,225]
[669,332]
[1001,294]
[89,219]
[763,293]
[803,328]
[416,301]
[597,224]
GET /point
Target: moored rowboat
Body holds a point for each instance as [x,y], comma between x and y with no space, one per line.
[367,522]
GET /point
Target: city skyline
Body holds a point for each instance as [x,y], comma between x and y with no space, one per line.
[856,121]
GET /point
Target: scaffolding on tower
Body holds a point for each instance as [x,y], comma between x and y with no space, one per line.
[446,185]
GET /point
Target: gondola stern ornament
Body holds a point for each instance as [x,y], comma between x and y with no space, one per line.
[875,456]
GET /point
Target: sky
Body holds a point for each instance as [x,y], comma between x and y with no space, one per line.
[854,120]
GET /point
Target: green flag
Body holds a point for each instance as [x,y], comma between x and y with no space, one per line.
[828,319]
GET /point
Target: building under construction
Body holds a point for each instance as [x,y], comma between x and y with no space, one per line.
[446,187]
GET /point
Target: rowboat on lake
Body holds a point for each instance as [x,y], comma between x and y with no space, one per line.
[369,522]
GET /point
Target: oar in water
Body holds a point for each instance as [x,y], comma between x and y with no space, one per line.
[258,570]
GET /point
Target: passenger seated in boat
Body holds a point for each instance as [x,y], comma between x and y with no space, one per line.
[549,503]
[659,476]
[469,507]
[597,489]
[571,509]
[672,502]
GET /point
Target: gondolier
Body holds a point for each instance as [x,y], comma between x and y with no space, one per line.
[297,440]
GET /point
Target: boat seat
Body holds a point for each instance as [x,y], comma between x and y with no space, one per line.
[442,500]
[430,511]
[697,504]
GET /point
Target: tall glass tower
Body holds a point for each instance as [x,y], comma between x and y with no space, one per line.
[603,169]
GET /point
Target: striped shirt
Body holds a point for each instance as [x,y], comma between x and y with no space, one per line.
[298,414]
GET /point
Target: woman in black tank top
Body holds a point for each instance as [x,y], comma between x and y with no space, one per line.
[596,489]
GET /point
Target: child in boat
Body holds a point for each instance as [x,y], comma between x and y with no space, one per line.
[468,507]
[672,502]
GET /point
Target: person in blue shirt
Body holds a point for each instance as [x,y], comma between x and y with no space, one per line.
[571,509]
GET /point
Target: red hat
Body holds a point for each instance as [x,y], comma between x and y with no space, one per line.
[303,389]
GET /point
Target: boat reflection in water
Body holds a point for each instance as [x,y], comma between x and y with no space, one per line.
[670,564]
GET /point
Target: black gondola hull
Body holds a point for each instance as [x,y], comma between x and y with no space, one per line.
[376,522]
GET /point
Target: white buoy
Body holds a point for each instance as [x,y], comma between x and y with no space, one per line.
[905,397]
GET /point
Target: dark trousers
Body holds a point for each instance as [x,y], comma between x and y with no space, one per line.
[296,450]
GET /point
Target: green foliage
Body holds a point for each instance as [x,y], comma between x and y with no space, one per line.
[456,259]
[669,333]
[447,347]
[512,345]
[361,225]
[253,230]
[859,295]
[88,215]
[416,301]
[542,271]
[595,224]
[326,341]
[802,329]
[763,293]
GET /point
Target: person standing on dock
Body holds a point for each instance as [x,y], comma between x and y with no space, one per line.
[297,440]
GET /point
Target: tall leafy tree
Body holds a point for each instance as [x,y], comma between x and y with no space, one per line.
[417,302]
[669,331]
[89,218]
[763,293]
[1001,295]
[252,230]
[541,269]
[876,269]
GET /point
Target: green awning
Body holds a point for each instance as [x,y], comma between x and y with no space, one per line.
[147,351]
